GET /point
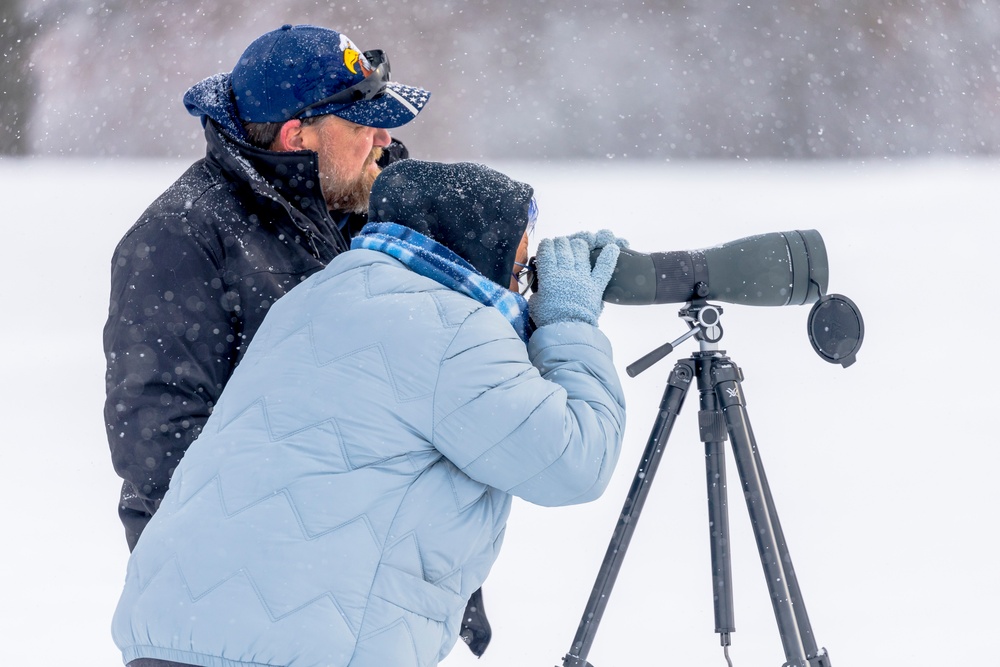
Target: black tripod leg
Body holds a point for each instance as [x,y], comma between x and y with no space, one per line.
[815,657]
[712,428]
[670,406]
[786,598]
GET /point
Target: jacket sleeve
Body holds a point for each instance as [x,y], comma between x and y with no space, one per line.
[543,423]
[170,345]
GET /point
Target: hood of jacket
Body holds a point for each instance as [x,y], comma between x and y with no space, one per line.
[212,99]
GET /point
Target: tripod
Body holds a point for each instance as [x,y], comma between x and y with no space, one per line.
[722,412]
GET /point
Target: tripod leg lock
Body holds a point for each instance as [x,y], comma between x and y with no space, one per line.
[821,659]
[712,426]
[573,661]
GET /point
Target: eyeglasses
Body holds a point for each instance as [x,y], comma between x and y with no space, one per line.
[525,276]
[372,86]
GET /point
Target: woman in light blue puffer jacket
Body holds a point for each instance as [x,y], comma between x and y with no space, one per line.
[350,491]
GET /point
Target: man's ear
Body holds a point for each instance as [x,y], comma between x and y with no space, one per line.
[289,137]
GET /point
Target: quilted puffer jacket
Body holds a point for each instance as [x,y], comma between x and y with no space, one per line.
[351,488]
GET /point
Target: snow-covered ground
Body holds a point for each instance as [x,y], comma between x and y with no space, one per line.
[884,474]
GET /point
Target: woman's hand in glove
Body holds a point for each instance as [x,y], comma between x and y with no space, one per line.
[600,239]
[569,289]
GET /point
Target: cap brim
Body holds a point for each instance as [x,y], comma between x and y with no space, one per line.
[397,106]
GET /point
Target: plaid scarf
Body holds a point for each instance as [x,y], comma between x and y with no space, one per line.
[430,259]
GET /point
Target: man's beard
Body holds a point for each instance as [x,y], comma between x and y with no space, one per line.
[351,196]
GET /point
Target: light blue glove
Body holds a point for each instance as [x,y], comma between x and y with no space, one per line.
[600,239]
[569,290]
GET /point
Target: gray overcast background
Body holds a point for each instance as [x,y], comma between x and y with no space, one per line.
[537,79]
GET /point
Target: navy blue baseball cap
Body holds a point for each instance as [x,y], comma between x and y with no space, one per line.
[304,70]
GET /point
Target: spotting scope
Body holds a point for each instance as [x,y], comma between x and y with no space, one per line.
[776,269]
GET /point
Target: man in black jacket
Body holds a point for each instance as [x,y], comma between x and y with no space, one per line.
[295,135]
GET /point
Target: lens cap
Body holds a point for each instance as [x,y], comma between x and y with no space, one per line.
[836,329]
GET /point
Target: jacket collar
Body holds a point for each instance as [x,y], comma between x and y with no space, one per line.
[289,180]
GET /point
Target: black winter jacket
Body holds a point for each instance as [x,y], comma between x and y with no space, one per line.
[190,283]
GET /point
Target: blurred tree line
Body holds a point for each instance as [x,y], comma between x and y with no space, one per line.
[537,79]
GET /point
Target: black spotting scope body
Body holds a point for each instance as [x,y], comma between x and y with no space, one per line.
[776,269]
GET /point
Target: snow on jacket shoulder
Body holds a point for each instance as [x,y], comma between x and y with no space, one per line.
[350,490]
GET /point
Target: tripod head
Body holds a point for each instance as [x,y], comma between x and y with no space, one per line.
[703,320]
[835,329]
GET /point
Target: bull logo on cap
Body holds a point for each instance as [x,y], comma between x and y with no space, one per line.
[353,58]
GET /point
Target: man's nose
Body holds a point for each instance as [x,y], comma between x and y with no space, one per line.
[382,138]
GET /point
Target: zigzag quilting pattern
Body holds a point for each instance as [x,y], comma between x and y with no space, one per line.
[289,545]
[275,445]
